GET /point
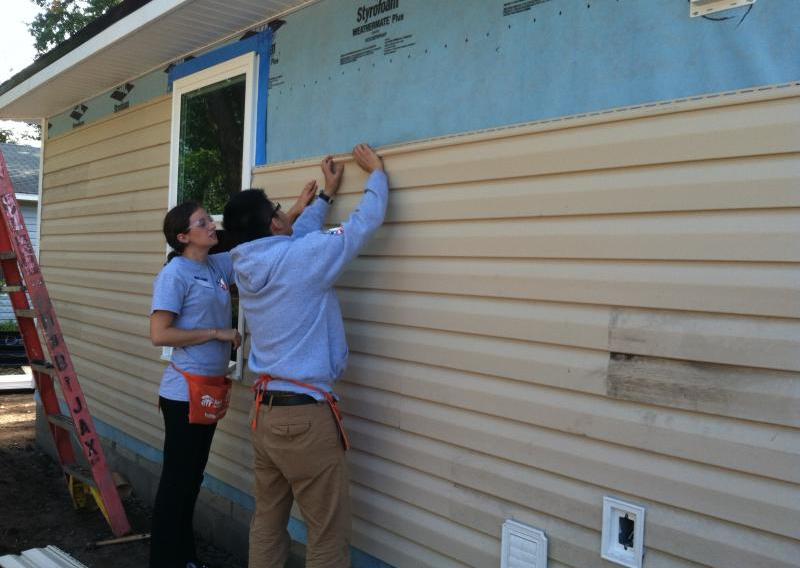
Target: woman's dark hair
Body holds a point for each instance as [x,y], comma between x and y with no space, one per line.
[176,222]
[247,216]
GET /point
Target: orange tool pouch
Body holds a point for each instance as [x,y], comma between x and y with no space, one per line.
[260,389]
[209,397]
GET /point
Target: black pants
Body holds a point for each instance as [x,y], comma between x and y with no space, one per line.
[186,448]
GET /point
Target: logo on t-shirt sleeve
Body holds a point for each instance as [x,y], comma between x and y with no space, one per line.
[336,231]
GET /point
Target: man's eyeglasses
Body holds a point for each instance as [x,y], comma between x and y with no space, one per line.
[203,223]
[274,212]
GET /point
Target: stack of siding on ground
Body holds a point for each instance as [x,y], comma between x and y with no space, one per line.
[551,314]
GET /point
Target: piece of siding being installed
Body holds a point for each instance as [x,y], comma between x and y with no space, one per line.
[556,313]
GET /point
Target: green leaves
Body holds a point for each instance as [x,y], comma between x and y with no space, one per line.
[61,19]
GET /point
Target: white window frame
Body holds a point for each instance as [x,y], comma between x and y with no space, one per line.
[241,65]
[246,65]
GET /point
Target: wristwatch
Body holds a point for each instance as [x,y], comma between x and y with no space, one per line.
[325,197]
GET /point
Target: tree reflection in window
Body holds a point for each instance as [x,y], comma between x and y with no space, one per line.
[210,148]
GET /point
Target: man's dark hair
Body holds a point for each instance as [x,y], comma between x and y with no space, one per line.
[247,216]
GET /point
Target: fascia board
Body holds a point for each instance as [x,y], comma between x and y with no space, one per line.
[133,22]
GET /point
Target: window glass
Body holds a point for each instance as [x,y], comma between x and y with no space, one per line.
[210,146]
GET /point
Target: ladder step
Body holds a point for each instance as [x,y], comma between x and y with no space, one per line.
[42,367]
[7,255]
[10,289]
[80,473]
[62,421]
[25,313]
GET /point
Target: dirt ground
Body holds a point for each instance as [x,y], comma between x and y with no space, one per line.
[36,510]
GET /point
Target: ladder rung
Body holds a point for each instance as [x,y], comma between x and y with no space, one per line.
[42,367]
[9,289]
[62,421]
[7,255]
[80,473]
[25,313]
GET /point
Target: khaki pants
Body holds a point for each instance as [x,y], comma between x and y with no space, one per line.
[298,455]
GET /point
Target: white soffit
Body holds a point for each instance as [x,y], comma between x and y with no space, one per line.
[154,35]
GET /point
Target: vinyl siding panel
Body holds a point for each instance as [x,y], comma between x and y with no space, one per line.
[138,180]
[559,312]
[108,129]
[131,263]
[109,167]
[760,289]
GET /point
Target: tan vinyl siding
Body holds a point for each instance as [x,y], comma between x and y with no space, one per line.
[555,313]
[551,314]
[104,197]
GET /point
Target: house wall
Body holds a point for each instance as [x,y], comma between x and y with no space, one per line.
[104,199]
[557,313]
[104,196]
[605,306]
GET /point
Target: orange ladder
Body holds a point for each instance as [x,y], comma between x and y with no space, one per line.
[23,279]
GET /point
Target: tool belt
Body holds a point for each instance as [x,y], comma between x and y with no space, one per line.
[209,397]
[260,389]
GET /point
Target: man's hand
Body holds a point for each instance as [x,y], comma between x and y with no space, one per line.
[306,196]
[333,175]
[367,159]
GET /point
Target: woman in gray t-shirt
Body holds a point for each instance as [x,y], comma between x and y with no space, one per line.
[191,312]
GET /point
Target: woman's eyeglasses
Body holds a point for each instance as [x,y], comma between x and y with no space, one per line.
[203,223]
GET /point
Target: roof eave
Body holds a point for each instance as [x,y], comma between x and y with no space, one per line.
[145,14]
[139,42]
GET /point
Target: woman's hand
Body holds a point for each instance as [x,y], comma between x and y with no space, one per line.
[230,335]
[333,175]
[306,196]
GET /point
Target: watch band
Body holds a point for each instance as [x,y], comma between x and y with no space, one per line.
[325,197]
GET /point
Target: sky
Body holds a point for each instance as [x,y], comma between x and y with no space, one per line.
[16,47]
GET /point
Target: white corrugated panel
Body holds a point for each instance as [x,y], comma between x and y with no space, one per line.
[48,557]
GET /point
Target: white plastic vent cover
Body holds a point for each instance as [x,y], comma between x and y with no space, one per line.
[706,7]
[522,546]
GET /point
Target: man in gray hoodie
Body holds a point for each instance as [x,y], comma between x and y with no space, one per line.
[285,275]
